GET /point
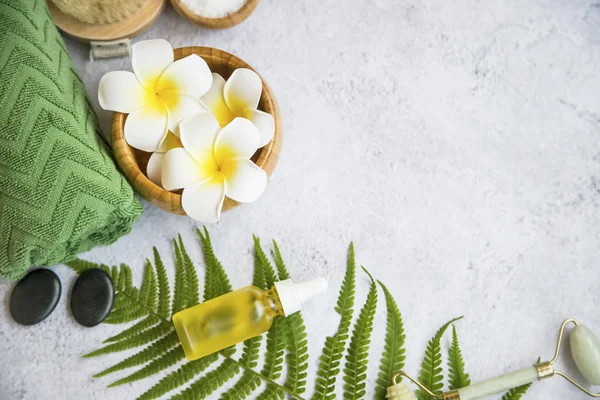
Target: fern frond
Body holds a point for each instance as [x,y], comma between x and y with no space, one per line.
[297,354]
[134,330]
[355,371]
[329,364]
[516,393]
[149,289]
[261,258]
[158,364]
[216,281]
[272,392]
[164,291]
[157,348]
[114,274]
[457,375]
[279,264]
[191,275]
[276,342]
[431,375]
[251,352]
[144,337]
[394,354]
[126,313]
[80,266]
[212,381]
[180,290]
[297,344]
[125,278]
[178,378]
[249,381]
[243,388]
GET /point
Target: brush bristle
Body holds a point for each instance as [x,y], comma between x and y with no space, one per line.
[98,12]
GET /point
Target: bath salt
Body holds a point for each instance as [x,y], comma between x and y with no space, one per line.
[214,8]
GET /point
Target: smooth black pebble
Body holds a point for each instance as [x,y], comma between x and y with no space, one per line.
[34,297]
[92,297]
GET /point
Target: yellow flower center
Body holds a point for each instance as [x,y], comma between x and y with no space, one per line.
[221,164]
[225,114]
[156,101]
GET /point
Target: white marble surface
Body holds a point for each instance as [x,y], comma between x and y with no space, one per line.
[457,143]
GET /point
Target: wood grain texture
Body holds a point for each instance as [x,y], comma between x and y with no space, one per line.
[133,161]
[127,28]
[216,23]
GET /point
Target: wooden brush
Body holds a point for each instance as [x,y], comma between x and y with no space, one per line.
[98,12]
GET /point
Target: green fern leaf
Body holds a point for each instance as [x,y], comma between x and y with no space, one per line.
[249,381]
[181,288]
[355,371]
[272,392]
[114,274]
[156,349]
[394,354]
[149,290]
[191,275]
[126,312]
[178,378]
[164,291]
[243,388]
[276,337]
[431,375]
[125,278]
[134,330]
[297,344]
[279,264]
[516,393]
[80,266]
[329,364]
[158,364]
[144,337]
[276,342]
[212,381]
[297,354]
[457,375]
[261,258]
[216,281]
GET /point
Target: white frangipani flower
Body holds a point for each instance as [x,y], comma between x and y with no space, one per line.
[154,166]
[158,94]
[239,97]
[212,164]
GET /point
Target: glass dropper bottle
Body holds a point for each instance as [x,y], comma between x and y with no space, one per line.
[240,315]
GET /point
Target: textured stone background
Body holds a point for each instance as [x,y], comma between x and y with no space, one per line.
[457,143]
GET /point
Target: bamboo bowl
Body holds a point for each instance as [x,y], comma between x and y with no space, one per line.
[132,162]
[216,23]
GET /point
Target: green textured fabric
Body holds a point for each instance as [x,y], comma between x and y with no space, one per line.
[60,191]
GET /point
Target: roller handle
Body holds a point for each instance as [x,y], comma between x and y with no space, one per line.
[499,384]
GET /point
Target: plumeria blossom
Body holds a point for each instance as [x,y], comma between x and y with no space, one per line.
[158,94]
[155,162]
[239,97]
[212,164]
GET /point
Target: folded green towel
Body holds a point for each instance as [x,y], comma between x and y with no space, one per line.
[60,191]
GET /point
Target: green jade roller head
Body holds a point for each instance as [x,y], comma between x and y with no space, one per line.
[585,349]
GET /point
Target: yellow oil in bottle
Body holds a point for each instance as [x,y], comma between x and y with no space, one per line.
[226,320]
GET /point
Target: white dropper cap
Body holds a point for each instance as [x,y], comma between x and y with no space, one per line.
[292,295]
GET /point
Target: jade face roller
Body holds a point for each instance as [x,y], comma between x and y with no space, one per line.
[585,348]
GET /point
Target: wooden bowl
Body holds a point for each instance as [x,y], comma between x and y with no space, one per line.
[126,28]
[216,23]
[133,161]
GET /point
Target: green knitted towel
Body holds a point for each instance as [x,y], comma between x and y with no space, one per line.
[60,192]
